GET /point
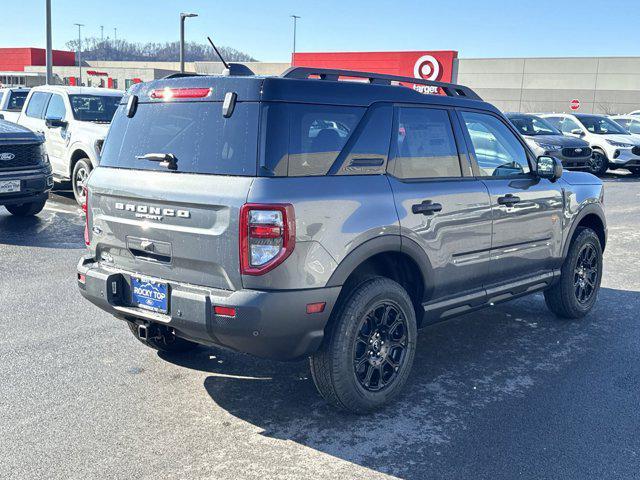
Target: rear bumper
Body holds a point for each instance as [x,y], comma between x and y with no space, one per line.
[34,186]
[268,324]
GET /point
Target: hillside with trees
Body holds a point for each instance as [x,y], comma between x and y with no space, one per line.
[122,50]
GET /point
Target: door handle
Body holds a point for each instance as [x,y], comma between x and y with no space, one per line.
[427,207]
[508,200]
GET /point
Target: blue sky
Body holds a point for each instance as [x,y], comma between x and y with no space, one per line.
[476,28]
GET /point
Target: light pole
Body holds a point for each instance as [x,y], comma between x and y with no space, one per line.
[101,33]
[182,17]
[295,24]
[49,60]
[80,25]
[115,34]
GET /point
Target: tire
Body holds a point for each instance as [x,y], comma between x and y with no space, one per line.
[599,163]
[341,366]
[635,171]
[574,295]
[81,171]
[168,343]
[26,209]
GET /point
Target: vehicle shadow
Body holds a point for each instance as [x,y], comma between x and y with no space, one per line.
[49,229]
[461,367]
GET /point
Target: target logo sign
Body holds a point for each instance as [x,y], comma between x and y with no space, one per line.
[575,104]
[427,68]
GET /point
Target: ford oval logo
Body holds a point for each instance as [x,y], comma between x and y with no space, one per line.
[7,156]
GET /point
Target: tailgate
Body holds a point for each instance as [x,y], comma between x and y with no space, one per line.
[173,226]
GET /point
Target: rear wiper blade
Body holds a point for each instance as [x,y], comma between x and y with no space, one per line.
[168,160]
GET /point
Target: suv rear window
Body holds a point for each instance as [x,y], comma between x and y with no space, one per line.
[196,133]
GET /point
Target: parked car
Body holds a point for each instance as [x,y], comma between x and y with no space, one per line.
[630,123]
[613,146]
[25,173]
[74,121]
[219,216]
[545,139]
[635,113]
[11,101]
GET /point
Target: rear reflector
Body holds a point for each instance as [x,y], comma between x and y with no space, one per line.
[82,278]
[170,93]
[224,311]
[315,307]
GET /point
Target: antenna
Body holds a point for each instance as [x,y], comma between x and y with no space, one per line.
[226,65]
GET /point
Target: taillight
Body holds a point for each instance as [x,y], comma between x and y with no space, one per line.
[267,236]
[170,93]
[85,209]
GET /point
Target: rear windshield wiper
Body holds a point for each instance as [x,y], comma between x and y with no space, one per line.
[167,160]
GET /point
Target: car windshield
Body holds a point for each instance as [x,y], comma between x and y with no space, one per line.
[94,108]
[530,125]
[601,125]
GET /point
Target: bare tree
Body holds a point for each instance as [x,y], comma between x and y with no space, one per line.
[109,49]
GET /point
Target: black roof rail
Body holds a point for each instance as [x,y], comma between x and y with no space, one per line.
[450,89]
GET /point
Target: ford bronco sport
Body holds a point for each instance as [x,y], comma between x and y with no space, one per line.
[312,215]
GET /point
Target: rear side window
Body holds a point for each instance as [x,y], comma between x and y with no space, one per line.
[196,133]
[37,103]
[424,144]
[305,140]
[16,101]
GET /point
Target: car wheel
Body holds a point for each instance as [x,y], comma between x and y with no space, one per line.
[26,209]
[79,177]
[598,164]
[167,343]
[635,171]
[366,356]
[576,292]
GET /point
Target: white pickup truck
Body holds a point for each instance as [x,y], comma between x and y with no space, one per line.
[74,122]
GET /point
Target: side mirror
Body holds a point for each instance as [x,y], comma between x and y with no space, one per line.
[549,168]
[578,132]
[55,122]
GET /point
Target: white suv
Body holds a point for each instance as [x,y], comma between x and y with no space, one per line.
[74,121]
[613,146]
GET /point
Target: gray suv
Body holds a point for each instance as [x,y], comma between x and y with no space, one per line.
[307,215]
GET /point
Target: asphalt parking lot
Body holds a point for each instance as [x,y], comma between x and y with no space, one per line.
[510,392]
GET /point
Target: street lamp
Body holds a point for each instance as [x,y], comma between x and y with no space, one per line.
[49,59]
[79,25]
[295,22]
[182,17]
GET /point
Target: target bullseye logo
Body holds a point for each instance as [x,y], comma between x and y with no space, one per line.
[427,68]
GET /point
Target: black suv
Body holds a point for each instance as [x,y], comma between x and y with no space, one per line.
[25,172]
[308,215]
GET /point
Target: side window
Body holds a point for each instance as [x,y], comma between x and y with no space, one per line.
[623,122]
[568,126]
[555,121]
[497,150]
[367,154]
[317,135]
[16,100]
[56,108]
[634,126]
[424,145]
[36,105]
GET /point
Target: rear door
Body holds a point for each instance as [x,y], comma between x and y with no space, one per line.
[527,210]
[440,205]
[175,224]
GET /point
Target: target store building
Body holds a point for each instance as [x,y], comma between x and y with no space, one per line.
[586,84]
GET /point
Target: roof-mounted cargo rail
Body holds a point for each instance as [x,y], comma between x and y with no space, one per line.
[450,89]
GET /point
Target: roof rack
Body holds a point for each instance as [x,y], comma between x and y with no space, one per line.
[450,89]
